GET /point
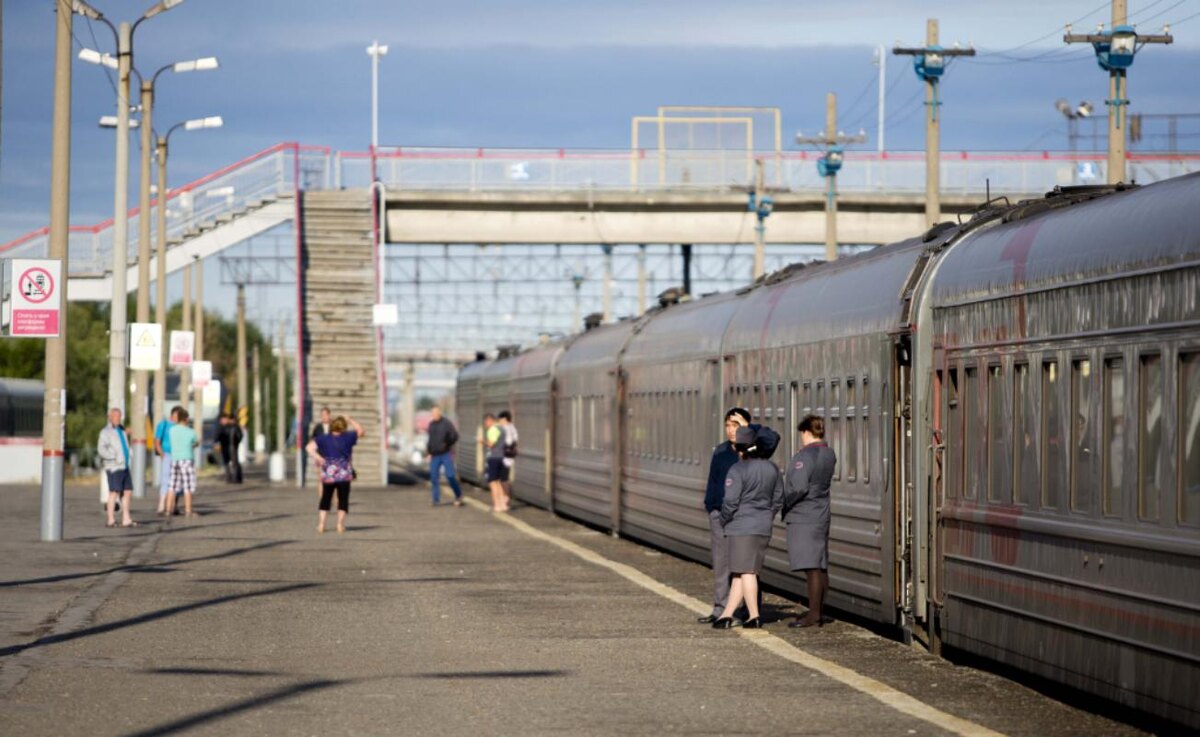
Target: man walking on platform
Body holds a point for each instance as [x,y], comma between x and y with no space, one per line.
[113,449]
[442,438]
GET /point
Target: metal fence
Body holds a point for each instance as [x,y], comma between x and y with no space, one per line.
[225,193]
[281,170]
[962,172]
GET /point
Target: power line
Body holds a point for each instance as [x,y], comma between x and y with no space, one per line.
[1164,11]
[1056,31]
[1185,19]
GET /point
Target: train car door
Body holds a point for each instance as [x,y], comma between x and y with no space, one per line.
[902,480]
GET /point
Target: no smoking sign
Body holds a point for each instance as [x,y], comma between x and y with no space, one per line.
[36,298]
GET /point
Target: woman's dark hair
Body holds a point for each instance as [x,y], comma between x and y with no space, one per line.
[506,415]
[743,413]
[812,424]
[183,415]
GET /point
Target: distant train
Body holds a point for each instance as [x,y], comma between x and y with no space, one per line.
[20,430]
[1015,406]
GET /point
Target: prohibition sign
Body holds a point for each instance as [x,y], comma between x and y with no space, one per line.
[36,285]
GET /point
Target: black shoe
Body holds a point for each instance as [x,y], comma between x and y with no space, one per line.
[723,623]
[753,624]
[707,620]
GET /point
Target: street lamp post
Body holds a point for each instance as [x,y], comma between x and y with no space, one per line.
[148,148]
[54,402]
[120,256]
[160,299]
[375,50]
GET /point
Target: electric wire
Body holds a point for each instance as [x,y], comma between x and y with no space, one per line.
[1164,11]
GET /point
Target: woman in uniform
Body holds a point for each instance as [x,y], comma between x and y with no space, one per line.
[753,494]
[806,512]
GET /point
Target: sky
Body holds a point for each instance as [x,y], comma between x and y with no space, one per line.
[558,73]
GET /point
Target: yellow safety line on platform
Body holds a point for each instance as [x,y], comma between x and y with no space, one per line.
[882,692]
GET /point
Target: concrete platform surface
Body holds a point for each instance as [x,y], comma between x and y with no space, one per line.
[431,621]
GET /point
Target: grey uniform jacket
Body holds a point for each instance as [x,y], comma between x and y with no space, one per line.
[806,491]
[753,495]
[108,447]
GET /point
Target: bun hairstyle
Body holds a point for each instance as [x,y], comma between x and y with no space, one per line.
[812,424]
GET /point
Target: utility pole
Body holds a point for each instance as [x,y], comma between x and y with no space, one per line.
[185,373]
[1115,50]
[882,52]
[375,50]
[120,245]
[54,401]
[257,414]
[198,396]
[160,289]
[243,392]
[760,229]
[641,265]
[141,377]
[828,165]
[608,282]
[929,62]
[280,394]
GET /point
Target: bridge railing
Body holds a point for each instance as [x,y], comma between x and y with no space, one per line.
[962,172]
[225,193]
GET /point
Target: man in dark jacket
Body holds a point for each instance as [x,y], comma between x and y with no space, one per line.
[723,458]
[442,437]
[229,436]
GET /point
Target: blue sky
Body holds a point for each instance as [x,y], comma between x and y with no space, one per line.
[564,73]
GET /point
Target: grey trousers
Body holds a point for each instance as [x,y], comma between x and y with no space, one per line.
[720,562]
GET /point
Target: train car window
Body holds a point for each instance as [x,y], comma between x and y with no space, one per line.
[864,448]
[1054,438]
[999,450]
[1025,433]
[819,403]
[954,436]
[808,399]
[1083,436]
[1150,410]
[851,431]
[1113,448]
[795,408]
[756,403]
[974,429]
[1189,438]
[834,428]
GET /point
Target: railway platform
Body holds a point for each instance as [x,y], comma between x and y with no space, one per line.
[432,621]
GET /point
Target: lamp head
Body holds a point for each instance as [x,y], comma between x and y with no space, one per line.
[91,56]
[214,121]
[79,7]
[161,6]
[196,65]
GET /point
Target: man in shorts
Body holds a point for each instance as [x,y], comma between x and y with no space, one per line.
[113,449]
[183,467]
[162,444]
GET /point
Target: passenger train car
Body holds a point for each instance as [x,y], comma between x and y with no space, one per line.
[1015,406]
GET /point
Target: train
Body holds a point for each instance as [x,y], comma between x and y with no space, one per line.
[1014,401]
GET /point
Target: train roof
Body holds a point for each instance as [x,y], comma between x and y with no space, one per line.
[683,331]
[537,361]
[851,296]
[21,387]
[598,347]
[1039,245]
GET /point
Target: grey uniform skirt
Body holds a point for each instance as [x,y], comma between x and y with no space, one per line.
[747,553]
[808,536]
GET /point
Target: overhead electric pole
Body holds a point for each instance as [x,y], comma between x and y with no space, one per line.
[832,139]
[54,402]
[929,62]
[1115,50]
